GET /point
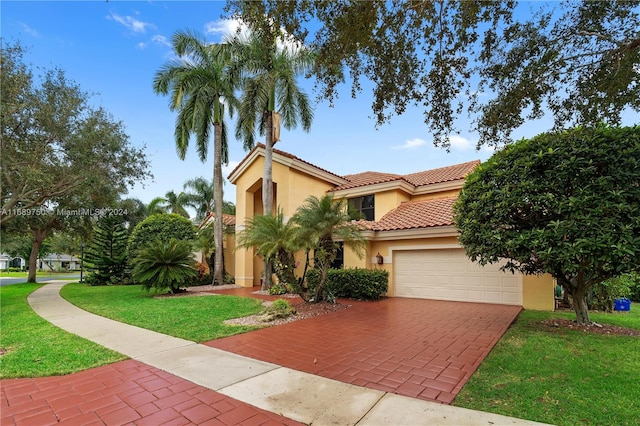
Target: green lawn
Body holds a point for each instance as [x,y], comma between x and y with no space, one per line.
[561,376]
[35,347]
[193,318]
[13,274]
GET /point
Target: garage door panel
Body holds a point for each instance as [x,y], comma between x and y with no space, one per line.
[447,274]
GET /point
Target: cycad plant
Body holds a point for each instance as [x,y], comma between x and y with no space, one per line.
[165,265]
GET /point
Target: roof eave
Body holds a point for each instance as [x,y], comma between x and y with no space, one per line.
[415,233]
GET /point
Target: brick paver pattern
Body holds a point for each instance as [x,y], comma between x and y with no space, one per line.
[123,393]
[424,349]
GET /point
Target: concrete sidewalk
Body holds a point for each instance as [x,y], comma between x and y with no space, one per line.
[293,394]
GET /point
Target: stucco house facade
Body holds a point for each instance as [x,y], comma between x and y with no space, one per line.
[408,228]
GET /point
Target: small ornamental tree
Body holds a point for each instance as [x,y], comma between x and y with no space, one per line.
[106,256]
[564,203]
[161,227]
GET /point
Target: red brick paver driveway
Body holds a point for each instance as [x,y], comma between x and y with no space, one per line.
[124,393]
[425,349]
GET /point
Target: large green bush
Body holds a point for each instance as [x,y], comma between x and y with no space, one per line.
[605,293]
[160,227]
[363,284]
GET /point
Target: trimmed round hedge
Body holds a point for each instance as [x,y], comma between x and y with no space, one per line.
[160,227]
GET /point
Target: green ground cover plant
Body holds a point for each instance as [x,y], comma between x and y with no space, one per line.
[196,318]
[558,375]
[33,347]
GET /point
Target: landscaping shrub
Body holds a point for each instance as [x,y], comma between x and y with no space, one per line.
[363,284]
[605,293]
[165,265]
[280,308]
[162,227]
[280,288]
[634,286]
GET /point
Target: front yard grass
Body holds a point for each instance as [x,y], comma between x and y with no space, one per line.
[560,376]
[195,318]
[34,347]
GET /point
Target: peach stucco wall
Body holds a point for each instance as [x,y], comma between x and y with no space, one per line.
[292,187]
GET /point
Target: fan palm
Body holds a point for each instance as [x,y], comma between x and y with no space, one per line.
[321,222]
[269,85]
[201,84]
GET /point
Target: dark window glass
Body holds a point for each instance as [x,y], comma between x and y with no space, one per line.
[338,262]
[364,205]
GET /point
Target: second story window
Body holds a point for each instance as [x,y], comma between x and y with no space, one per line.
[364,205]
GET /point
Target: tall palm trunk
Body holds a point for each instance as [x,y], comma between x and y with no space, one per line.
[267,190]
[218,268]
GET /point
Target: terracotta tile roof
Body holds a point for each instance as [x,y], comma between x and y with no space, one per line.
[227,219]
[443,174]
[284,154]
[367,178]
[427,177]
[418,214]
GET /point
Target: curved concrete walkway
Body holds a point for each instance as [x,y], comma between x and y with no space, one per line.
[290,393]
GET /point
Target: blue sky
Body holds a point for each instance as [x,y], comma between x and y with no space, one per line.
[113,49]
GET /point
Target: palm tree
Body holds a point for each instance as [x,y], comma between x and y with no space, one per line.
[200,197]
[156,206]
[174,203]
[274,240]
[201,84]
[321,221]
[269,85]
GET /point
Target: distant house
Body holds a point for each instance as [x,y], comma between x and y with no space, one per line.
[7,261]
[409,230]
[56,262]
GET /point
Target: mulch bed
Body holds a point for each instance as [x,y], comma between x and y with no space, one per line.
[606,329]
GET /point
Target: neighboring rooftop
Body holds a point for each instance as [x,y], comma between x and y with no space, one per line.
[427,177]
[227,219]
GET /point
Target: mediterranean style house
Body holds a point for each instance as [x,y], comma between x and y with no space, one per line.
[409,230]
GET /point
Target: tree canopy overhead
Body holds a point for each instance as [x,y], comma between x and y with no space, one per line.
[563,203]
[502,62]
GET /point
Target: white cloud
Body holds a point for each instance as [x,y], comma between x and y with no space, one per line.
[160,39]
[460,143]
[27,29]
[131,23]
[141,45]
[410,144]
[224,27]
[231,28]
